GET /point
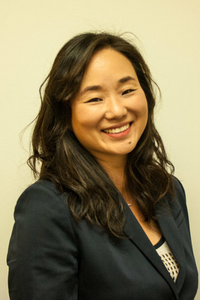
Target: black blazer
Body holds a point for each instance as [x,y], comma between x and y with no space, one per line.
[51,257]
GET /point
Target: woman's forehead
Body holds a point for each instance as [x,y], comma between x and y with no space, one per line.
[108,64]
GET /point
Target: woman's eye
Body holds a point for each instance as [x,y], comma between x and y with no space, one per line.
[128,91]
[94,100]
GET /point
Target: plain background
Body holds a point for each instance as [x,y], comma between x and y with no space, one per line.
[32,32]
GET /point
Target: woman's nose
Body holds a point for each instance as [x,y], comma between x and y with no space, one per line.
[115,109]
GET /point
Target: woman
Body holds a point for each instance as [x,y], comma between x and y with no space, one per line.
[106,219]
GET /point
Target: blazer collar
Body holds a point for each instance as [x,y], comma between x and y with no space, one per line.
[170,232]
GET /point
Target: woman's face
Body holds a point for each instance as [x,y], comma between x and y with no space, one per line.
[109,113]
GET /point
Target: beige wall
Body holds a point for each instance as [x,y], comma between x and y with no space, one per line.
[31,34]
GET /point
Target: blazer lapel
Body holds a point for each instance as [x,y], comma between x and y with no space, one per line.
[171,234]
[136,235]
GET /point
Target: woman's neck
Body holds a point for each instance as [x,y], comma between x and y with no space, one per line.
[115,168]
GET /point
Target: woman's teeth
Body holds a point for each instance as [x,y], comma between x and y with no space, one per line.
[117,130]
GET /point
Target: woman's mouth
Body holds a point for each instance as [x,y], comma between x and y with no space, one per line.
[117,130]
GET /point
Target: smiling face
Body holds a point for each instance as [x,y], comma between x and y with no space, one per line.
[109,113]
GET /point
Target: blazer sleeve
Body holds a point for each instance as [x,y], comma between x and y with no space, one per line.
[42,255]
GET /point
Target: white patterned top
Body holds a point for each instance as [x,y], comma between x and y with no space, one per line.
[167,258]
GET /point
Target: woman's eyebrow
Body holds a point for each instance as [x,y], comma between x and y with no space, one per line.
[91,88]
[99,88]
[125,79]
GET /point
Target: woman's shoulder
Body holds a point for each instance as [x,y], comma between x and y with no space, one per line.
[179,195]
[178,203]
[175,199]
[178,186]
[41,186]
[42,196]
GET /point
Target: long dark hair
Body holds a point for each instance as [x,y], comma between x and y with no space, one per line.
[59,157]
